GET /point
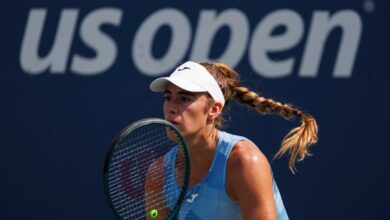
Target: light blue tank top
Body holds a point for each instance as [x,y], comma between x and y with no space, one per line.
[208,199]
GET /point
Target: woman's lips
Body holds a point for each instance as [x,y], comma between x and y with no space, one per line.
[174,122]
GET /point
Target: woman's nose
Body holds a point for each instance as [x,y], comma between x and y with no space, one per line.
[171,107]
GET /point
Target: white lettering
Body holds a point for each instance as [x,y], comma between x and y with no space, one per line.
[322,25]
[263,43]
[268,48]
[105,47]
[208,26]
[57,58]
[143,41]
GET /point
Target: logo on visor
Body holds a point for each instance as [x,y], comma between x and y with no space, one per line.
[184,68]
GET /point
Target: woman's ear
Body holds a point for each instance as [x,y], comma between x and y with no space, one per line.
[214,111]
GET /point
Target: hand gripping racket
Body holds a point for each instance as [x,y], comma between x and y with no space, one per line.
[146,171]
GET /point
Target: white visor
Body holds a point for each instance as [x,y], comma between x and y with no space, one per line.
[191,77]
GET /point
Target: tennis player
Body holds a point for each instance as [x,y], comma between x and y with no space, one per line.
[230,177]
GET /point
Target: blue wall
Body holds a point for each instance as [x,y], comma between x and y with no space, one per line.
[59,112]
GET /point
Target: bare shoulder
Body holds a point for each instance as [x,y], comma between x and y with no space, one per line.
[245,154]
[247,169]
[249,181]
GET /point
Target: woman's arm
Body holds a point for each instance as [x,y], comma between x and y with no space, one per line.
[154,189]
[249,182]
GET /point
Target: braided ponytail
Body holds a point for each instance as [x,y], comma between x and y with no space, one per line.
[297,142]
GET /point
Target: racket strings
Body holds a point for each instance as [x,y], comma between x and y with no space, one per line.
[127,172]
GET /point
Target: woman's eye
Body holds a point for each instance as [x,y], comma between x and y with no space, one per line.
[167,98]
[184,99]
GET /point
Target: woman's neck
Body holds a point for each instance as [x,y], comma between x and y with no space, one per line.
[202,148]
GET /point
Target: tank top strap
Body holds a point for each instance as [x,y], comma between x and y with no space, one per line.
[227,142]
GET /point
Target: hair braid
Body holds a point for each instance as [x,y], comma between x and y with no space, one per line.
[297,142]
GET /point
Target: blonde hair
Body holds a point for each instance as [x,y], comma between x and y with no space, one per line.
[297,142]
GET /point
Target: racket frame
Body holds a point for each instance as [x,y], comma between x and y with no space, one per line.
[127,130]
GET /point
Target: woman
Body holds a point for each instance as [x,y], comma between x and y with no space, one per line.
[230,177]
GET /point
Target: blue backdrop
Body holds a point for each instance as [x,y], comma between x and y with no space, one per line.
[74,73]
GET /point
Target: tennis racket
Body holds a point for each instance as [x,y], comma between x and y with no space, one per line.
[146,171]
